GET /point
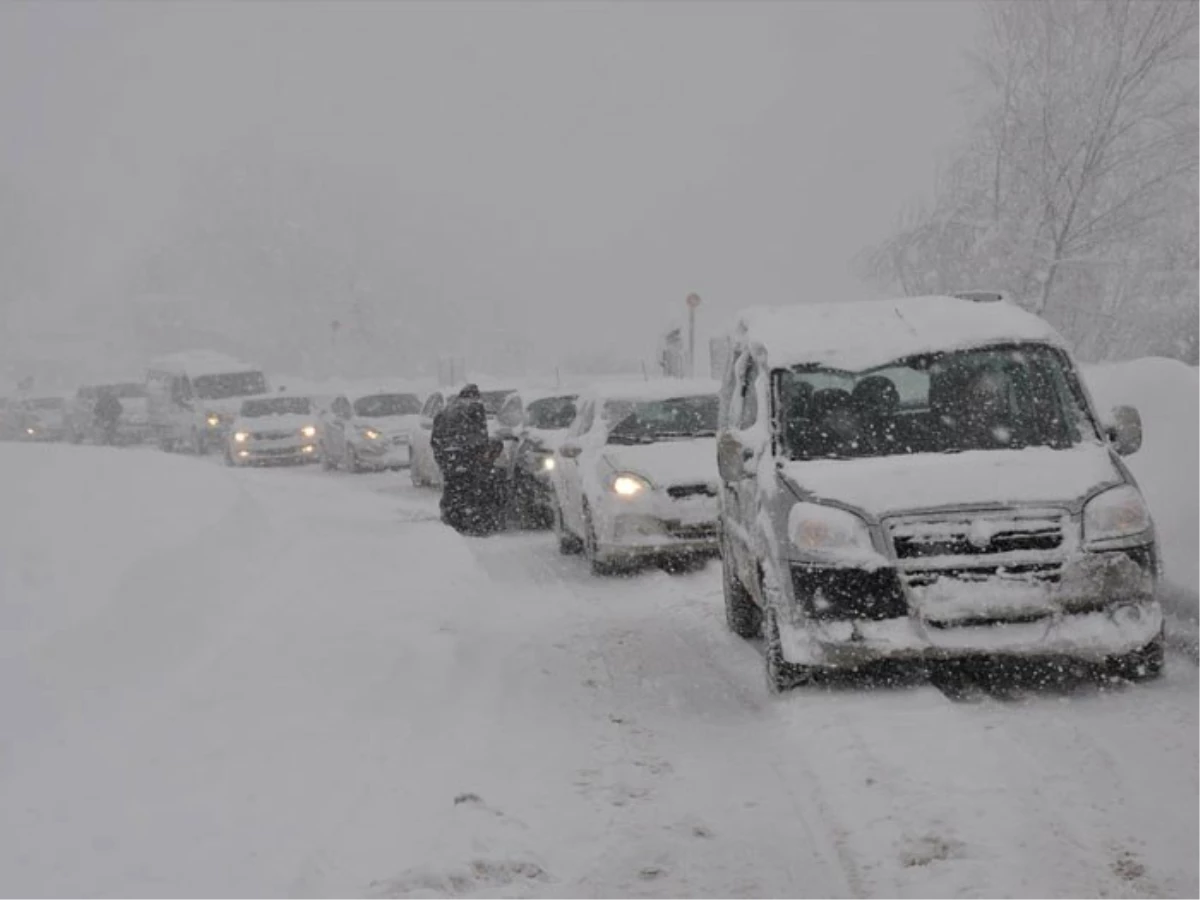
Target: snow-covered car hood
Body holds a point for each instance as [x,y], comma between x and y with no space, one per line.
[668,462]
[289,422]
[881,485]
[389,425]
[546,438]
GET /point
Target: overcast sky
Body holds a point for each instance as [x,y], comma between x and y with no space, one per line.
[584,166]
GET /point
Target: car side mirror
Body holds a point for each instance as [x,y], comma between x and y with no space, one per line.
[570,451]
[1124,429]
[732,457]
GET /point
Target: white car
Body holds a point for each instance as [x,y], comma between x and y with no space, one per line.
[371,431]
[636,475]
[276,428]
[424,468]
[43,419]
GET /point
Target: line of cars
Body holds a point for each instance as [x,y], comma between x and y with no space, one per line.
[923,479]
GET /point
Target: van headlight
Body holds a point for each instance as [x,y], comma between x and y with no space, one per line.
[1117,513]
[309,431]
[241,436]
[817,530]
[626,484]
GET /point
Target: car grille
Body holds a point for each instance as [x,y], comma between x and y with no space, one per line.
[692,532]
[679,491]
[277,451]
[1026,545]
[272,435]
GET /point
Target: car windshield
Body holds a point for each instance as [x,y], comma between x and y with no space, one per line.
[648,421]
[551,413]
[379,406]
[493,400]
[995,398]
[277,406]
[233,384]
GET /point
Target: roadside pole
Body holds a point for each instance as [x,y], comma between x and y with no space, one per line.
[693,300]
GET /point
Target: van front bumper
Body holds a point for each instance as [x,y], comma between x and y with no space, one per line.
[1093,636]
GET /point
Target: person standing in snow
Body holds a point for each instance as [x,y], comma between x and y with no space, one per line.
[463,452]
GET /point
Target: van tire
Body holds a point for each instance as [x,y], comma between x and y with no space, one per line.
[742,615]
[781,674]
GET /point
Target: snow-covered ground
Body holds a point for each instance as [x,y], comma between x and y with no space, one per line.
[224,682]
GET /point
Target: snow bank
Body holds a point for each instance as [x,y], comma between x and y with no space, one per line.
[1166,393]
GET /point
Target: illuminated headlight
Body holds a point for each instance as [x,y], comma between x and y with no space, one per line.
[825,531]
[241,436]
[31,431]
[1117,513]
[546,464]
[370,434]
[243,453]
[629,485]
[309,431]
[213,420]
[308,448]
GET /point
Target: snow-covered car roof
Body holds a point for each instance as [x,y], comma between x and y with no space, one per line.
[201,362]
[856,335]
[654,389]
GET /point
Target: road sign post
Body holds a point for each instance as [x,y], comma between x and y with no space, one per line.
[693,300]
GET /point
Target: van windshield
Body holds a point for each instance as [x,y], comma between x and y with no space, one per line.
[232,384]
[995,398]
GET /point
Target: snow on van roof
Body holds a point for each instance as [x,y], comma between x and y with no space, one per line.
[201,362]
[856,335]
[654,389]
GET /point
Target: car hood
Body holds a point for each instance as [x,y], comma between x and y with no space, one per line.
[882,485]
[389,425]
[274,423]
[546,438]
[668,462]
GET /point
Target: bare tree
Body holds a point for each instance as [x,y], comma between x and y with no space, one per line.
[1081,170]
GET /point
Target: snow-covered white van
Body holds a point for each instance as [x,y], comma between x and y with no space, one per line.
[927,478]
[194,396]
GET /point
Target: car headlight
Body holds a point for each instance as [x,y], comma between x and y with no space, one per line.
[213,420]
[626,484]
[31,431]
[241,436]
[546,464]
[825,531]
[309,431]
[1119,512]
[370,434]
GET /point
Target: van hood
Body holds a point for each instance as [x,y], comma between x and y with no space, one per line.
[890,484]
[667,462]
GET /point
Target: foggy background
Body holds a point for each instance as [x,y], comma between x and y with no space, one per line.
[525,185]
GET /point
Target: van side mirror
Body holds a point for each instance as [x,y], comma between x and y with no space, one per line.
[732,457]
[1124,429]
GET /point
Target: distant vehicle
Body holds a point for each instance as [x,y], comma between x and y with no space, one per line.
[926,478]
[372,430]
[275,428]
[193,397]
[10,415]
[134,424]
[532,424]
[42,419]
[424,469]
[635,476]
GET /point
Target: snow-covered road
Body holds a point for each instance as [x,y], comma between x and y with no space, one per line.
[249,683]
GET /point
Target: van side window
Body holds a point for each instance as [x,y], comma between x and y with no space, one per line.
[748,387]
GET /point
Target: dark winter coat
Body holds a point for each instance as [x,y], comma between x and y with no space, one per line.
[471,502]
